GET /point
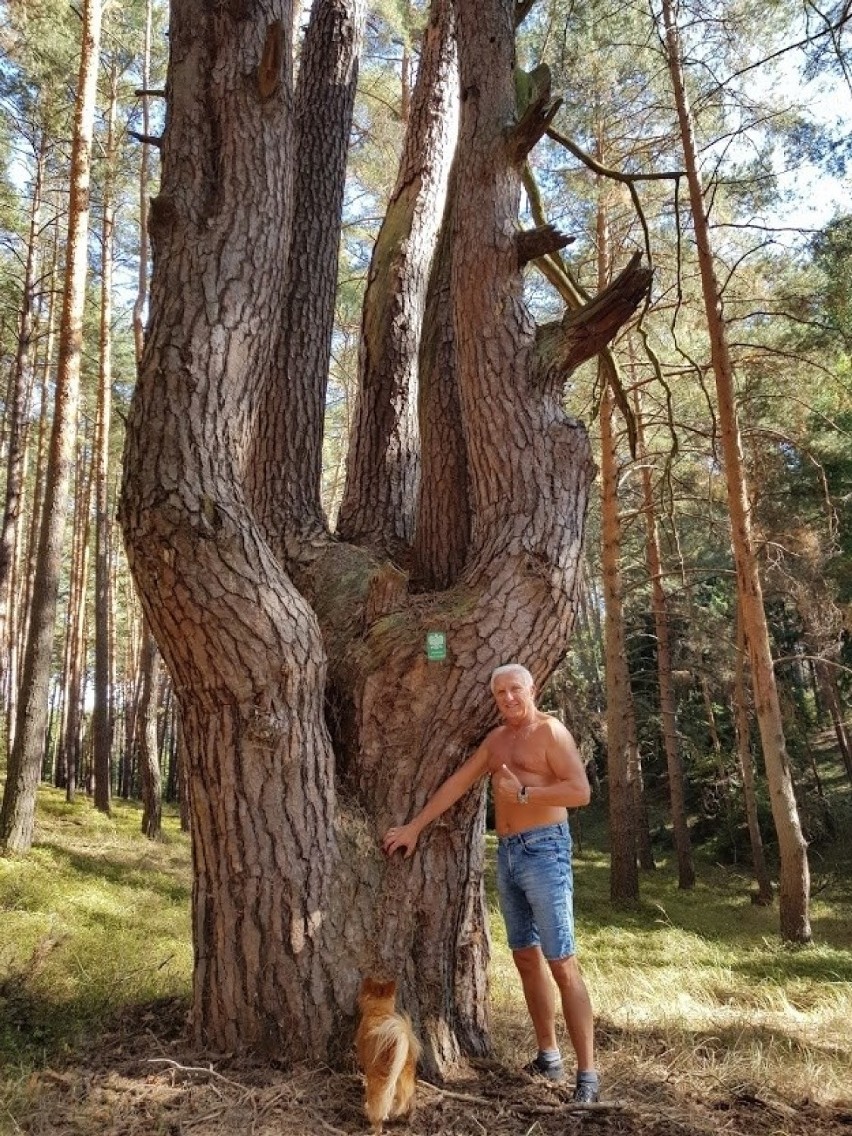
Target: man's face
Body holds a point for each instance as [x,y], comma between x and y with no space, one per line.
[515,698]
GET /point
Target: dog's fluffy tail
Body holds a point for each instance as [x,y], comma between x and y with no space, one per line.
[393,1034]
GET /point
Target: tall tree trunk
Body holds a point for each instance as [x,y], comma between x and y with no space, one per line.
[674,762]
[795,874]
[17,408]
[101,715]
[624,874]
[288,428]
[30,550]
[74,671]
[18,810]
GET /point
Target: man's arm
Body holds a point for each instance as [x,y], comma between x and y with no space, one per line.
[444,797]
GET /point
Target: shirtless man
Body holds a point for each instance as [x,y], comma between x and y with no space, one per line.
[536,775]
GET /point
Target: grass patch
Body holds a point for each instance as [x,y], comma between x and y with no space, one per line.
[691,989]
[698,985]
[95,923]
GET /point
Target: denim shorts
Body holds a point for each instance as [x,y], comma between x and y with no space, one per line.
[535,886]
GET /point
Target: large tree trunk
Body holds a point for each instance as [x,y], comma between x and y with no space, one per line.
[18,812]
[253,603]
[378,506]
[795,874]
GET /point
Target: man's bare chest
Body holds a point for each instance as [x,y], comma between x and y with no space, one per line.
[522,753]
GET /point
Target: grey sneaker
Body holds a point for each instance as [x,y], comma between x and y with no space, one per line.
[550,1070]
[586,1093]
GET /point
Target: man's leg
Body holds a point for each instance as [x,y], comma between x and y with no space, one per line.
[538,992]
[577,1008]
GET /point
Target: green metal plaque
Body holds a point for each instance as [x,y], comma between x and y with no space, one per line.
[436,646]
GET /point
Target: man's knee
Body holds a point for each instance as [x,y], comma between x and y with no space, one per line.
[528,960]
[566,971]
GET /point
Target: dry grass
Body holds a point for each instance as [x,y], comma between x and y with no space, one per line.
[705,1023]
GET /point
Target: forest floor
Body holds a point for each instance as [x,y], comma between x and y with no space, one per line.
[142,1079]
[706,1024]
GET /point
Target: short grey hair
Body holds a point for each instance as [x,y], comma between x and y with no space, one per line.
[511,668]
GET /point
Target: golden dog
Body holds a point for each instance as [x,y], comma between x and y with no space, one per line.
[387,1052]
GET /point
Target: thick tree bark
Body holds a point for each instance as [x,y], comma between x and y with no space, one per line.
[383,468]
[18,811]
[795,874]
[442,527]
[253,609]
[286,470]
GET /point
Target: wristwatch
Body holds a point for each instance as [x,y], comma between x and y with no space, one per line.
[522,795]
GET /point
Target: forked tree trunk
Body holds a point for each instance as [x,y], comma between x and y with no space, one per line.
[794,871]
[253,611]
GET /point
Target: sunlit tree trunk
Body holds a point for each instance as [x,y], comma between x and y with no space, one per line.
[101,712]
[746,764]
[146,737]
[17,815]
[379,501]
[15,426]
[671,744]
[624,874]
[794,886]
